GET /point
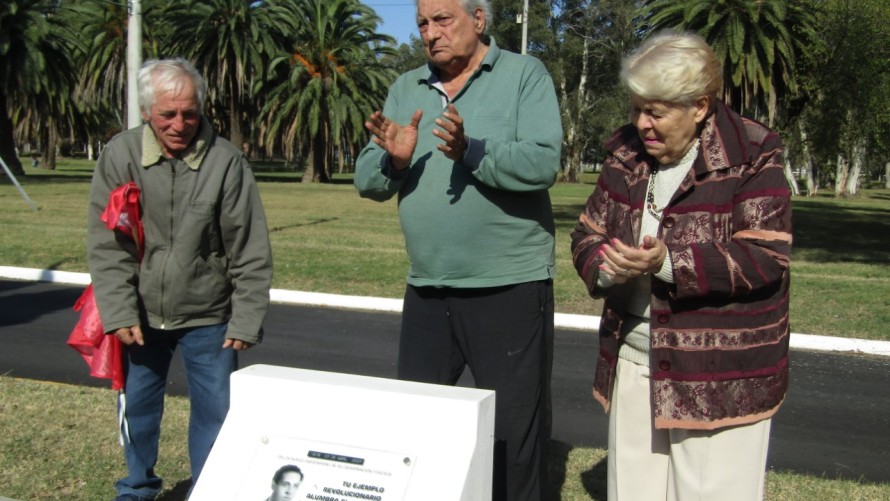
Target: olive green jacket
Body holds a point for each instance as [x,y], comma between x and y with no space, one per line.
[207,257]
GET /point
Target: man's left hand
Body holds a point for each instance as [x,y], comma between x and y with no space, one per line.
[451,130]
[236,344]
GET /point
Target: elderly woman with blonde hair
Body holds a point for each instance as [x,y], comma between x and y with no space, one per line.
[687,236]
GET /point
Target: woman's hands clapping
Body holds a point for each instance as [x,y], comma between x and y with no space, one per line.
[623,263]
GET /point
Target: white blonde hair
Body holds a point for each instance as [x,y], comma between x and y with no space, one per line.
[158,75]
[673,67]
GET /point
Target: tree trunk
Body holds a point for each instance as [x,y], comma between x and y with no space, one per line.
[789,176]
[316,171]
[568,172]
[236,136]
[7,141]
[887,175]
[50,145]
[810,168]
[341,158]
[309,174]
[574,145]
[771,107]
[349,162]
[853,177]
[840,178]
[329,157]
[324,148]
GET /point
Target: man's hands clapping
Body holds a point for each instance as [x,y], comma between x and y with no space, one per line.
[397,140]
[451,130]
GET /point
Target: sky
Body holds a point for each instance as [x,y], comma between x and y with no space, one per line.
[398,18]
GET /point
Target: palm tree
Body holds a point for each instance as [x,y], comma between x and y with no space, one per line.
[102,81]
[36,53]
[759,42]
[329,82]
[408,55]
[231,43]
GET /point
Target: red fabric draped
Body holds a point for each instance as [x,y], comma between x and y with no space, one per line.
[103,353]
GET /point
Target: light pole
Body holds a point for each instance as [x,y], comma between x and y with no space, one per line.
[134,61]
[524,26]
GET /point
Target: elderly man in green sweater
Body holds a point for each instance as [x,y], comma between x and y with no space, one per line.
[471,144]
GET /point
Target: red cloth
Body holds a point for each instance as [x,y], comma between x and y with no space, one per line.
[101,352]
[104,353]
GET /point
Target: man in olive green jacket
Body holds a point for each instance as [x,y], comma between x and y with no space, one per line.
[202,281]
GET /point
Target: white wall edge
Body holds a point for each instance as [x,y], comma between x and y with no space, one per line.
[562,320]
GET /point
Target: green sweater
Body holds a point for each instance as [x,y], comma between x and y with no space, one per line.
[485,221]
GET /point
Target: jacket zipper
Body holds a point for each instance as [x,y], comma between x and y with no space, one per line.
[169,240]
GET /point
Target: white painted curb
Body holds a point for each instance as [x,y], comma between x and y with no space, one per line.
[562,320]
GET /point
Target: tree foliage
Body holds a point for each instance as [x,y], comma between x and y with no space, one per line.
[37,46]
[102,75]
[231,43]
[297,78]
[759,43]
[407,56]
[847,115]
[327,83]
[581,42]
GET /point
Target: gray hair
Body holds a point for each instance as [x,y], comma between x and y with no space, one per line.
[158,75]
[470,6]
[673,67]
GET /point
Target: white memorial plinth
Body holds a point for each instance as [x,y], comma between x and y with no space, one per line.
[352,437]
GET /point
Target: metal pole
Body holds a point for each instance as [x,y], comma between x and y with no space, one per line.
[17,185]
[524,26]
[134,61]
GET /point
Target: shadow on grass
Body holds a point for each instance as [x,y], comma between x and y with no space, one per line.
[49,178]
[293,178]
[593,480]
[832,233]
[276,229]
[567,215]
[559,456]
[178,492]
[270,178]
[823,229]
[72,169]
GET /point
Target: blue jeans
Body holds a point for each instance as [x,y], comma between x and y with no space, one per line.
[208,368]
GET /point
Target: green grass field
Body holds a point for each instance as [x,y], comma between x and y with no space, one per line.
[59,441]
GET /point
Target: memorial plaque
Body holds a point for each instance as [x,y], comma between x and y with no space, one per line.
[340,437]
[330,471]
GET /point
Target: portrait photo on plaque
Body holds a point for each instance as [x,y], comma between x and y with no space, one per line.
[290,469]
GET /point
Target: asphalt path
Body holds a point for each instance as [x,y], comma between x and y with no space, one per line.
[835,422]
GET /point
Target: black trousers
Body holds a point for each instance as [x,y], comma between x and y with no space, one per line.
[505,336]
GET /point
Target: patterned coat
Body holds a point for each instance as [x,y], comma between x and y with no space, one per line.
[719,333]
